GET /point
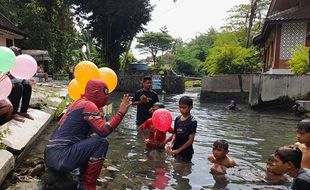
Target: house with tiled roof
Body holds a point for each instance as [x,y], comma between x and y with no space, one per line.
[287,25]
[9,32]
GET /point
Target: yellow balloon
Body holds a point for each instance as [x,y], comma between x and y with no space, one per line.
[85,70]
[109,77]
[76,89]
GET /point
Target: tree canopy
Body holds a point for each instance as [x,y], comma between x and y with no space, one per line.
[113,24]
[153,42]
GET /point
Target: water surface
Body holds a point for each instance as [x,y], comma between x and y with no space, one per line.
[253,136]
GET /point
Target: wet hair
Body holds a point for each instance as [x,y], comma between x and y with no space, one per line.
[160,105]
[289,154]
[146,78]
[303,127]
[221,144]
[270,158]
[186,100]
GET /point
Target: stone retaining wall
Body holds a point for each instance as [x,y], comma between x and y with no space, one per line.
[223,87]
[132,81]
[278,90]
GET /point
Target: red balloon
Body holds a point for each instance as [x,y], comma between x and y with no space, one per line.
[162,119]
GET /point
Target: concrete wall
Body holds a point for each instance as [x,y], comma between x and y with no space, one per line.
[223,87]
[132,81]
[269,90]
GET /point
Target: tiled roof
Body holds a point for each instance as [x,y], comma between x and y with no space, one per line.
[291,14]
[6,24]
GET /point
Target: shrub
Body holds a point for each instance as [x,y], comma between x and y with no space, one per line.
[3,133]
[299,61]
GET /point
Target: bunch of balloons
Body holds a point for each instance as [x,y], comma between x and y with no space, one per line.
[86,70]
[22,67]
[162,119]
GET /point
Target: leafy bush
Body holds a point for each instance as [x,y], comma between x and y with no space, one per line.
[231,59]
[3,133]
[299,61]
[193,83]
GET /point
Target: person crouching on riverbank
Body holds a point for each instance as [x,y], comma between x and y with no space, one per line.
[303,138]
[6,110]
[185,127]
[156,138]
[71,145]
[219,157]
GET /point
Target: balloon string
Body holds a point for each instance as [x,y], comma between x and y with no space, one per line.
[3,77]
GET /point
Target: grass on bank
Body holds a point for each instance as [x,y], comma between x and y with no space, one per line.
[192,83]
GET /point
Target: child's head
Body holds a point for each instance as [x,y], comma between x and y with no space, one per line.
[147,82]
[287,159]
[185,105]
[157,106]
[303,132]
[233,102]
[220,149]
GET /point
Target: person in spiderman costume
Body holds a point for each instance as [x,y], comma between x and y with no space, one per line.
[72,145]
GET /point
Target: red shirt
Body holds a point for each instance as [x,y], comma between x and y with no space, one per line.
[155,136]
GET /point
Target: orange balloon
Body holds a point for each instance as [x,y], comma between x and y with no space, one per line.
[76,89]
[109,77]
[85,70]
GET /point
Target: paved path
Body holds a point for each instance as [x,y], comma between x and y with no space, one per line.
[47,97]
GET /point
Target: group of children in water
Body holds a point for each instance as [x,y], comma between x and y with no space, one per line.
[292,160]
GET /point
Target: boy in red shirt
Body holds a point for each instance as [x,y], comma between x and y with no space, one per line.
[156,138]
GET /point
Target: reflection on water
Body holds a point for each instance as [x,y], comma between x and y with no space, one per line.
[252,137]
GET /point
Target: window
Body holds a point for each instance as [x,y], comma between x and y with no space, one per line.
[9,42]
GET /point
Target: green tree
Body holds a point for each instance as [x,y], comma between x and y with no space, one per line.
[246,20]
[153,42]
[189,58]
[84,38]
[229,57]
[113,24]
[48,24]
[130,59]
[299,62]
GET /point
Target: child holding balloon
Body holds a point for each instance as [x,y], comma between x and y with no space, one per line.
[156,137]
[185,127]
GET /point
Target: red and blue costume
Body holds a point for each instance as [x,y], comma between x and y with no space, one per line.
[72,145]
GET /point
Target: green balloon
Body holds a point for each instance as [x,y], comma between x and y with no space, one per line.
[7,59]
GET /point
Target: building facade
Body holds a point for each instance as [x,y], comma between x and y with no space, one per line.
[287,25]
[9,32]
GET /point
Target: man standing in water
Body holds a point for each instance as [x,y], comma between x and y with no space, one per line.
[145,98]
[71,146]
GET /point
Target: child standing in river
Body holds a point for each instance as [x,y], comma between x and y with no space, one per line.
[185,127]
[303,138]
[156,138]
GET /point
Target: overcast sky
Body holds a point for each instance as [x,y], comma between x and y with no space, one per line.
[187,18]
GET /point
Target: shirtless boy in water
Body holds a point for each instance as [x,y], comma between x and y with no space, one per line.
[219,157]
[303,138]
[272,176]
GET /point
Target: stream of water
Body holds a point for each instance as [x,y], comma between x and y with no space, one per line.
[253,136]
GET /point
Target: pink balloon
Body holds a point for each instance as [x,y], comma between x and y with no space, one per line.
[5,86]
[25,67]
[162,119]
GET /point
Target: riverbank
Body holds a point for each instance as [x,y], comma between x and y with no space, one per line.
[45,100]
